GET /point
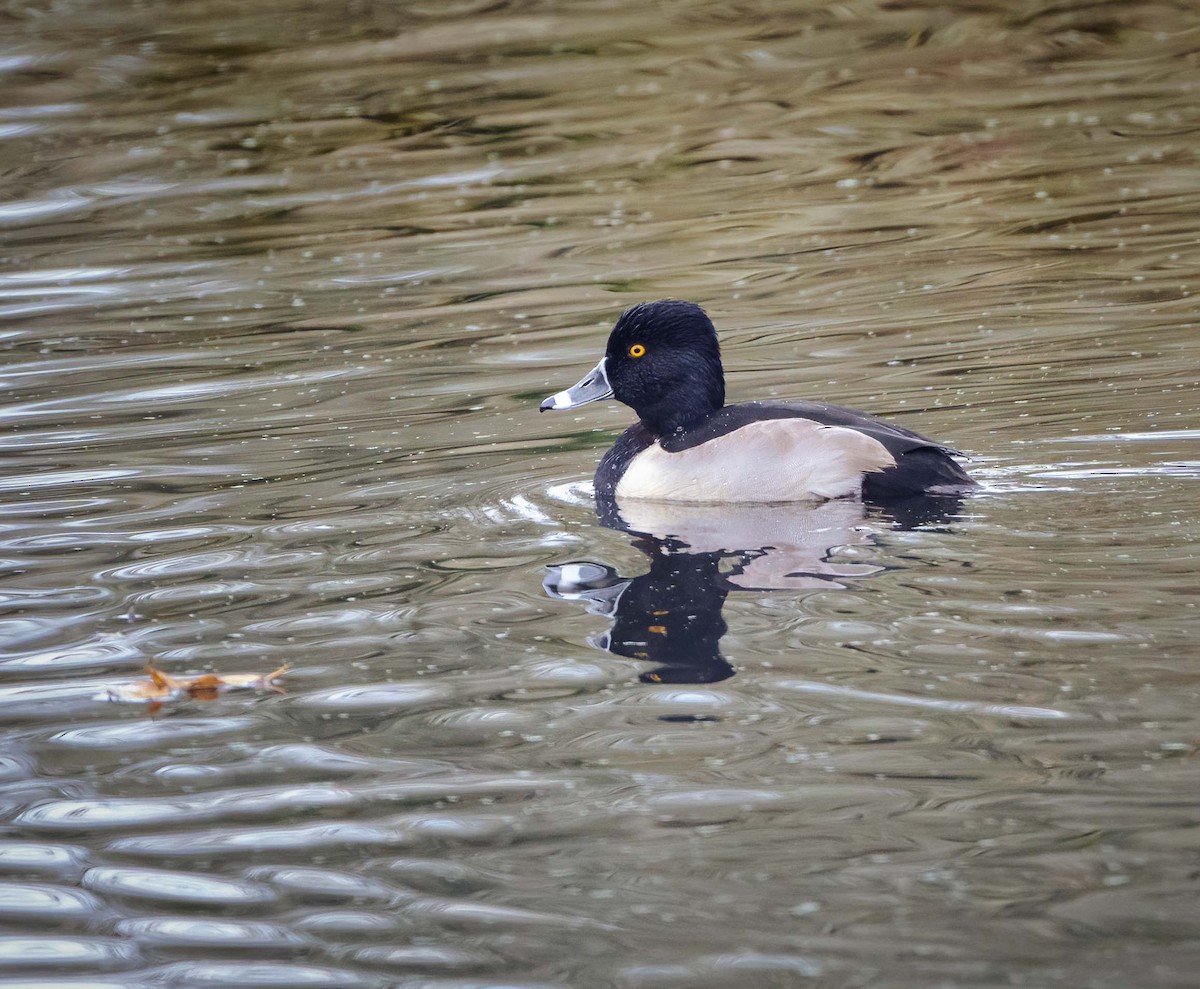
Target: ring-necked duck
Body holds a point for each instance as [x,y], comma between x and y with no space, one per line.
[664,362]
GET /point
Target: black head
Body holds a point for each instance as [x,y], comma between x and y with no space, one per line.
[663,361]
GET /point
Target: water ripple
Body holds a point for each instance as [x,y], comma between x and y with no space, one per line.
[262,975]
[311,885]
[178,888]
[343,924]
[425,958]
[376,698]
[43,859]
[232,842]
[29,903]
[64,954]
[141,735]
[461,915]
[55,661]
[191,933]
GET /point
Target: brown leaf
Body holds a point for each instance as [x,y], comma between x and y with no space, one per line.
[162,687]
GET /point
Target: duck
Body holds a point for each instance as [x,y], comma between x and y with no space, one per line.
[663,360]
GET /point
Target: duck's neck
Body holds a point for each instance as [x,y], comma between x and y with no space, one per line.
[682,408]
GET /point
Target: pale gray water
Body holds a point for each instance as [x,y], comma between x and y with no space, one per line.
[282,288]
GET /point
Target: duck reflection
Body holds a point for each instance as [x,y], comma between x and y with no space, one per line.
[671,614]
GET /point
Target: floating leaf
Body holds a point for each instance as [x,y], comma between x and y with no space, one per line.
[162,688]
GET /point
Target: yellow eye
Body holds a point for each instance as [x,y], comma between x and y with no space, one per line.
[637,350]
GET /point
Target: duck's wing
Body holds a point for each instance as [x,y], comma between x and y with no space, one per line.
[895,439]
[921,465]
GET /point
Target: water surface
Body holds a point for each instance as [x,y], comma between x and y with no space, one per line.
[282,288]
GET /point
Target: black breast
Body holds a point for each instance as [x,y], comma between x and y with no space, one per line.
[629,444]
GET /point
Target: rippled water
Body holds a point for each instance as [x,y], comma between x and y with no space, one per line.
[282,287]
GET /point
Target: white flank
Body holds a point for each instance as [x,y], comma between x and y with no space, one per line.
[765,461]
